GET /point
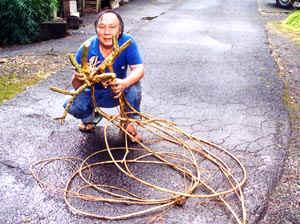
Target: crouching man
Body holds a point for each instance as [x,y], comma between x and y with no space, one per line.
[108,24]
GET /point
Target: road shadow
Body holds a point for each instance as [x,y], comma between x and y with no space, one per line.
[95,141]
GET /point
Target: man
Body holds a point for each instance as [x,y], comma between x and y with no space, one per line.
[108,24]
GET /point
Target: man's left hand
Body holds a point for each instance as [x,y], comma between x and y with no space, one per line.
[118,86]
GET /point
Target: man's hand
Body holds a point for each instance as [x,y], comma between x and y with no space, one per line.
[77,80]
[79,76]
[118,86]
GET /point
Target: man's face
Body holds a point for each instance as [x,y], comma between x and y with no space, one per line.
[108,26]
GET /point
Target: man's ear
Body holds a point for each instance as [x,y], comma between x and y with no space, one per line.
[96,30]
[119,34]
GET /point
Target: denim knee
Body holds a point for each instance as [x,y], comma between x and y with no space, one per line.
[133,95]
[82,105]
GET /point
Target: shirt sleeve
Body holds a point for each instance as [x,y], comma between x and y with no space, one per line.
[133,55]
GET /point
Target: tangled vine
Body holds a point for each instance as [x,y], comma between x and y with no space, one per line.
[206,170]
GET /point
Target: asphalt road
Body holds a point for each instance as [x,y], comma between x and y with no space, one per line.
[208,69]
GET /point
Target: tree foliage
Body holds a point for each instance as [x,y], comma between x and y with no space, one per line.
[20,19]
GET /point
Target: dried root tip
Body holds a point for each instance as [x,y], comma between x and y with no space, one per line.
[115,43]
[74,62]
[180,201]
[62,91]
[124,46]
[84,58]
[60,119]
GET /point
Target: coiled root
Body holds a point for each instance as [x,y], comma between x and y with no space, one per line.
[167,168]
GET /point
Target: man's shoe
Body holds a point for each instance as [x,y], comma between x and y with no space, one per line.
[97,118]
[88,127]
[135,136]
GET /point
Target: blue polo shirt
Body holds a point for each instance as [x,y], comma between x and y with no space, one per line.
[130,56]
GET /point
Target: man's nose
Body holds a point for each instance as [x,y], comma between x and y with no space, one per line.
[106,30]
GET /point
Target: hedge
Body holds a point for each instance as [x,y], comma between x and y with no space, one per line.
[20,19]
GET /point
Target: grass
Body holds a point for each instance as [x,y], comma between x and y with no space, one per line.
[11,85]
[21,71]
[290,27]
[292,106]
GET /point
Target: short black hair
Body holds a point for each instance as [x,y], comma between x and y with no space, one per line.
[114,12]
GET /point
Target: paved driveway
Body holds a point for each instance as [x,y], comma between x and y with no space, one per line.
[208,69]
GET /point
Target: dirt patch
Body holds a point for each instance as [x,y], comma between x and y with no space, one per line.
[19,72]
[284,203]
[286,31]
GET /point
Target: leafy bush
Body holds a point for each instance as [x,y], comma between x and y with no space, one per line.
[20,19]
[293,20]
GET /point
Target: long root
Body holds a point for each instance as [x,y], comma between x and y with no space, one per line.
[207,171]
[216,179]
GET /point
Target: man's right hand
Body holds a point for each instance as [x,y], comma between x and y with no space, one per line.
[79,76]
[77,80]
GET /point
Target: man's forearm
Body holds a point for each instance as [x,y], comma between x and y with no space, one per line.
[136,74]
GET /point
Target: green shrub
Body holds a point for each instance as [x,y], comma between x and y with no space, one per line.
[20,19]
[293,20]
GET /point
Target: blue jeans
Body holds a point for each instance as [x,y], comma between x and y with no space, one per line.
[82,107]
